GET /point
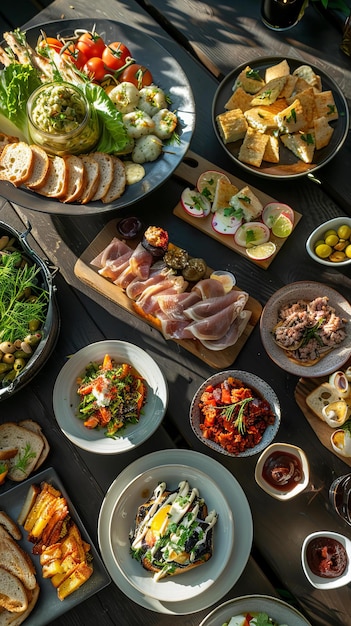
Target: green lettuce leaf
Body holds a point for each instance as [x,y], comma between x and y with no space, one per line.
[113,134]
[17,82]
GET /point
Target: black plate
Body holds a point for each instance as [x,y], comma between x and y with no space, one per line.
[289,166]
[49,607]
[167,74]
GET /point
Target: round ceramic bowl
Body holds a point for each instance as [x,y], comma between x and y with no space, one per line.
[257,385]
[318,234]
[187,585]
[281,612]
[320,582]
[288,453]
[50,327]
[66,399]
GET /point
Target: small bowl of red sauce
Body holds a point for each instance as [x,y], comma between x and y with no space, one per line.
[326,559]
[282,471]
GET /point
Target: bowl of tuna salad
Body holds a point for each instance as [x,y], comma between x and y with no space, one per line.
[305,329]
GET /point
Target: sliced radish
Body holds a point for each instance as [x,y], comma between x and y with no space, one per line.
[272,210]
[225,224]
[252,234]
[195,203]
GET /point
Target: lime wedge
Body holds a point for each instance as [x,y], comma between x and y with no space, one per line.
[262,251]
[282,226]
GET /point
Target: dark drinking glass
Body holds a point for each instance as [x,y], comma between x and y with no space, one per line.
[281,14]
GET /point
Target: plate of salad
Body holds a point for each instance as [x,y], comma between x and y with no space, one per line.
[147,59]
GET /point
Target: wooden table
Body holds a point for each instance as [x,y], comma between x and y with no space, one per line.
[208,41]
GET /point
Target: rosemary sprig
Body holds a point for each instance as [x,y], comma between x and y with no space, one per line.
[228,410]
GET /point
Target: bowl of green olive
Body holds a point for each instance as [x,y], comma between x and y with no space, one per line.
[330,243]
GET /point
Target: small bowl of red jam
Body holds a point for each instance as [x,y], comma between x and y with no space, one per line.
[326,559]
[282,471]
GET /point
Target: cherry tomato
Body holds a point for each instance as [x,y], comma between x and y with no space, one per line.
[139,75]
[79,58]
[49,42]
[95,67]
[91,44]
[115,54]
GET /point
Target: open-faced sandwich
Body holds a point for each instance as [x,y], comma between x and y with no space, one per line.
[173,531]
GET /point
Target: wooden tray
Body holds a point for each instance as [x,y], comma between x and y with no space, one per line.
[189,171]
[90,276]
[322,430]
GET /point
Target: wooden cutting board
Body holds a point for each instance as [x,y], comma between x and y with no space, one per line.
[189,171]
[90,276]
[322,430]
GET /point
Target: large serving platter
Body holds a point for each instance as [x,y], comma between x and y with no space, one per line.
[167,74]
[242,523]
[289,166]
[49,607]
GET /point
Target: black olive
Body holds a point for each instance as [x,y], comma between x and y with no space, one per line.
[129,227]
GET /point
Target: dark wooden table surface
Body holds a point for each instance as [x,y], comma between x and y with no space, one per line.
[208,40]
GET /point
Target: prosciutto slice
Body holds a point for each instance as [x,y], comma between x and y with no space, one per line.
[236,329]
[148,300]
[211,306]
[215,326]
[114,267]
[174,305]
[174,329]
[209,288]
[140,262]
[115,249]
[138,286]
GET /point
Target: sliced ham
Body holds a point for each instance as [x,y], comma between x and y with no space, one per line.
[174,305]
[115,249]
[211,306]
[138,286]
[209,288]
[114,267]
[174,329]
[141,261]
[236,329]
[171,285]
[215,326]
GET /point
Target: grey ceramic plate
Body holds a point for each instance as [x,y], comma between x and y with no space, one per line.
[280,611]
[49,607]
[167,74]
[305,291]
[257,384]
[289,165]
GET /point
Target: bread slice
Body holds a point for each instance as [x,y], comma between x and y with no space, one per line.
[17,562]
[15,619]
[253,147]
[28,504]
[239,100]
[76,177]
[118,183]
[325,105]
[13,596]
[322,132]
[6,139]
[92,178]
[300,144]
[16,163]
[106,174]
[29,445]
[10,526]
[270,92]
[249,80]
[232,125]
[277,70]
[248,203]
[223,193]
[40,168]
[56,182]
[36,428]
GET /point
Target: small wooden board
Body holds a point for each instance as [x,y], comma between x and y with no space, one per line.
[89,275]
[189,171]
[322,430]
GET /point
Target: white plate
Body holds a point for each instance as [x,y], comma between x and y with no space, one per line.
[66,399]
[184,586]
[302,290]
[242,522]
[280,611]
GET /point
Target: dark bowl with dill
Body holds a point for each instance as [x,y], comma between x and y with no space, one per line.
[29,317]
[235,413]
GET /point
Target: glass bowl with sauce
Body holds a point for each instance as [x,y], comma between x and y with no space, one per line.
[60,119]
[326,559]
[282,471]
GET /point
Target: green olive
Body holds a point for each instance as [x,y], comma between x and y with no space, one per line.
[8,358]
[21,354]
[33,325]
[7,347]
[11,375]
[5,367]
[33,339]
[19,365]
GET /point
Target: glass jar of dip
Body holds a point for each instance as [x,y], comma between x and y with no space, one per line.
[61,120]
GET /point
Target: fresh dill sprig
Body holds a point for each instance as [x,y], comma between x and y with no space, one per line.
[24,458]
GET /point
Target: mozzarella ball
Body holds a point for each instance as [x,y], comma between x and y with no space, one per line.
[125,97]
[151,100]
[165,123]
[138,123]
[147,149]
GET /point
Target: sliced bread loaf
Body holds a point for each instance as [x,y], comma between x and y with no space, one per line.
[36,428]
[10,526]
[76,177]
[16,163]
[40,168]
[17,562]
[29,445]
[13,595]
[6,139]
[106,174]
[56,182]
[118,183]
[92,178]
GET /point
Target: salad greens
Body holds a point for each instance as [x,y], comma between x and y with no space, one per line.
[113,136]
[17,82]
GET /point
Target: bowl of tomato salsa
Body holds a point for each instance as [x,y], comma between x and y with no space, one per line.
[235,413]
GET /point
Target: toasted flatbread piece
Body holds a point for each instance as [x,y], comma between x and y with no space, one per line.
[307,101]
[289,87]
[239,100]
[223,194]
[291,119]
[270,92]
[250,80]
[271,153]
[322,132]
[232,125]
[325,106]
[306,73]
[302,145]
[253,147]
[248,202]
[260,118]
[276,71]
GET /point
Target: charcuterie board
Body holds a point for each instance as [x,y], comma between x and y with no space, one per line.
[189,170]
[321,429]
[89,275]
